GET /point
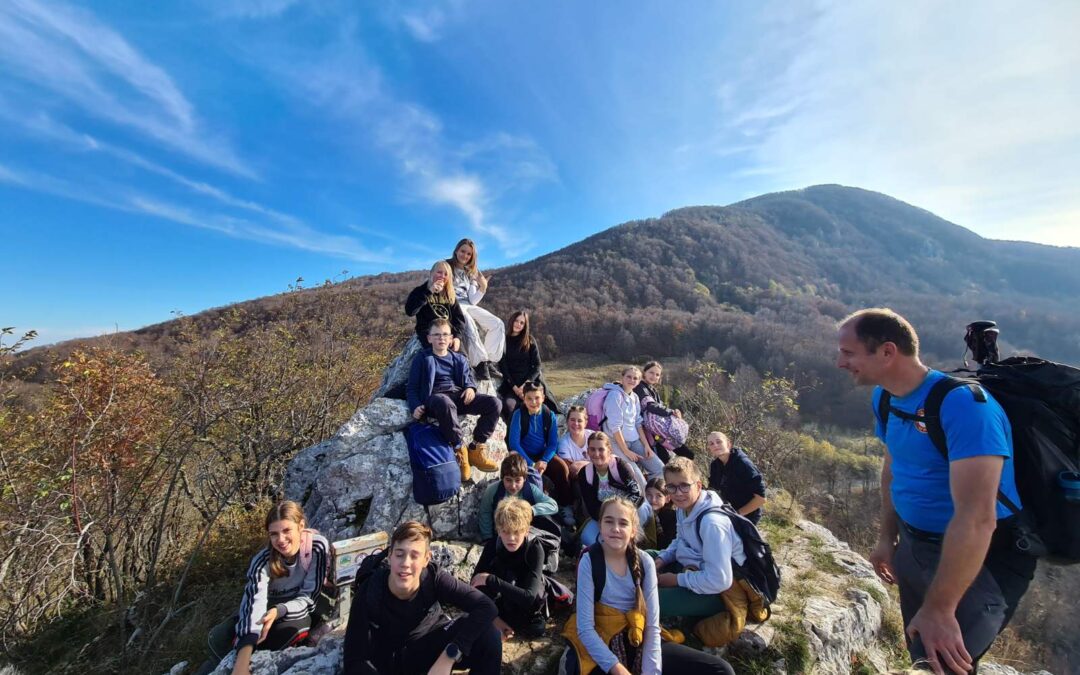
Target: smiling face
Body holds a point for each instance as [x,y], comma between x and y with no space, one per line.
[853,356]
[439,276]
[533,401]
[576,422]
[517,325]
[652,375]
[512,540]
[657,499]
[617,526]
[718,446]
[630,379]
[599,453]
[683,491]
[407,560]
[285,537]
[463,254]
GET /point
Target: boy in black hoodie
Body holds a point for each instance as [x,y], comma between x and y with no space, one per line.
[511,571]
[397,626]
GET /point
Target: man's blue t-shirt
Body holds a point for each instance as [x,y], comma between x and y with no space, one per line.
[920,475]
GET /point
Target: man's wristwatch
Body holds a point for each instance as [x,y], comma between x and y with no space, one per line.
[454,652]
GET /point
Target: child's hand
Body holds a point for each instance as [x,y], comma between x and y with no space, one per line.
[480,580]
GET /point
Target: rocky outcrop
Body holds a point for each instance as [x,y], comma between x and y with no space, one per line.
[359,480]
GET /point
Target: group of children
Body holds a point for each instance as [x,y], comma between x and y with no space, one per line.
[626,583]
[654,543]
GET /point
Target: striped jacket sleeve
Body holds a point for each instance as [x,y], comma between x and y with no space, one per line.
[304,603]
[253,604]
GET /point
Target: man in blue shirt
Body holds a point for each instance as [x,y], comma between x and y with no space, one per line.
[943,536]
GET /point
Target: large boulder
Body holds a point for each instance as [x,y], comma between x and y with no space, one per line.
[359,481]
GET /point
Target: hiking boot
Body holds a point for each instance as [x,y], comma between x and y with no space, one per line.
[463,463]
[478,457]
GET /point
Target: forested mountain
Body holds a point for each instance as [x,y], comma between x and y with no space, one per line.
[760,282]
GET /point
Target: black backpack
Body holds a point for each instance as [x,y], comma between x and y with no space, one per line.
[760,569]
[599,570]
[1042,402]
[524,424]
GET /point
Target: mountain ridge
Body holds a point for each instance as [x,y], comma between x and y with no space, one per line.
[759,282]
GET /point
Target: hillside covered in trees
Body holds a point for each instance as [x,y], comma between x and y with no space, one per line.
[757,283]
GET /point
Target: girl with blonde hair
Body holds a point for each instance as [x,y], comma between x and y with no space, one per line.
[484,332]
[436,299]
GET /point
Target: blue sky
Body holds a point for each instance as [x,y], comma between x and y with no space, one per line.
[178,156]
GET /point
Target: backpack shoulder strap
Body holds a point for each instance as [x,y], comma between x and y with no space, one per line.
[932,408]
[701,516]
[599,570]
[548,417]
[883,408]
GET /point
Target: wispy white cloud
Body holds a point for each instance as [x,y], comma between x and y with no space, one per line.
[279,229]
[970,113]
[469,176]
[64,52]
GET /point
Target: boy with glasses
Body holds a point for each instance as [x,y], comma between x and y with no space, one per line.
[694,573]
[441,386]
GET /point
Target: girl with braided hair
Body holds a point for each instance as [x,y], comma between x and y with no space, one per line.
[616,628]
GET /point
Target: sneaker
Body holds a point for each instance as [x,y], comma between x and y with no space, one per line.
[463,463]
[478,457]
[567,513]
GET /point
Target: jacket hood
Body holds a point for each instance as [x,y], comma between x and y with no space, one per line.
[707,500]
[614,386]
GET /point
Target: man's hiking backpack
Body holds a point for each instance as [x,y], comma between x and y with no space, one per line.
[1042,402]
[436,476]
[594,409]
[760,569]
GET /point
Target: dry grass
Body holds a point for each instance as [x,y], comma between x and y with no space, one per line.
[574,373]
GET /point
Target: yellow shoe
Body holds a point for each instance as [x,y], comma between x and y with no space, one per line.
[463,463]
[479,458]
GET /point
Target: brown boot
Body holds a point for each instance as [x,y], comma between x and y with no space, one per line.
[463,463]
[478,457]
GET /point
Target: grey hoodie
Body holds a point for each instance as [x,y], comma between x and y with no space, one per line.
[711,554]
[623,412]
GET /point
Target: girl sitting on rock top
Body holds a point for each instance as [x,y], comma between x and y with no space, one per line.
[436,299]
[485,333]
[520,364]
[283,583]
[616,628]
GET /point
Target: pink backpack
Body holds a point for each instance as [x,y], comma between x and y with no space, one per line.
[613,470]
[594,408]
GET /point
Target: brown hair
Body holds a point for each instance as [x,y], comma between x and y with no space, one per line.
[878,325]
[285,510]
[441,323]
[632,557]
[684,466]
[513,514]
[410,530]
[599,436]
[471,267]
[531,385]
[577,409]
[514,466]
[650,365]
[525,335]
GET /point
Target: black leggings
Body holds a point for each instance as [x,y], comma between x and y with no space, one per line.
[484,658]
[683,660]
